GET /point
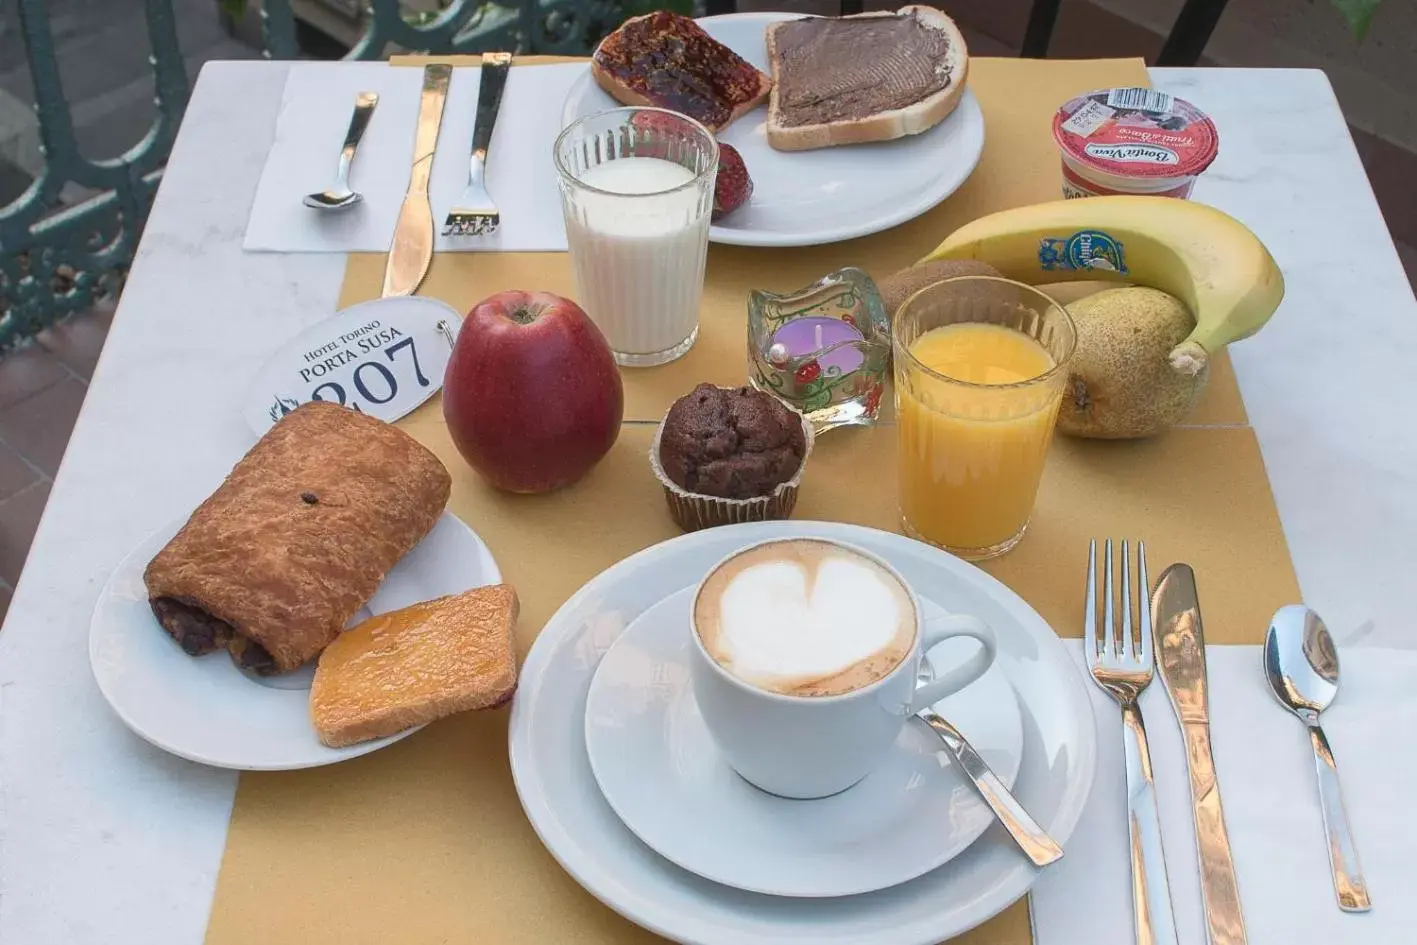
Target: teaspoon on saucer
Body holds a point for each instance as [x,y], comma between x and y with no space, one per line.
[1032,839]
[1301,664]
[339,195]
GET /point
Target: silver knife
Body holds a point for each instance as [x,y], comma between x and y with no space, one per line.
[412,249]
[1180,656]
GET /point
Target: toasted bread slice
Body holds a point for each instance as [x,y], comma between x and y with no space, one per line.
[668,61]
[845,78]
[411,666]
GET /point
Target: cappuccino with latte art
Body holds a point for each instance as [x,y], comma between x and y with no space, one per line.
[805,618]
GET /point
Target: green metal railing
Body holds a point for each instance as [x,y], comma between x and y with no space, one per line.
[57,260]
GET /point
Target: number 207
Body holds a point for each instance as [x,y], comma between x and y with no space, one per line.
[361,384]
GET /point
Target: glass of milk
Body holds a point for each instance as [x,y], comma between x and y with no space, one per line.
[637,191]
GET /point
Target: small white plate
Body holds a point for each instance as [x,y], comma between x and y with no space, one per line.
[655,760]
[803,198]
[559,794]
[206,710]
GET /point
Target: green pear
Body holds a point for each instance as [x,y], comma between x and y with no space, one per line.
[1120,383]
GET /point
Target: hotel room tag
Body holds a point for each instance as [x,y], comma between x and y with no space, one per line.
[384,357]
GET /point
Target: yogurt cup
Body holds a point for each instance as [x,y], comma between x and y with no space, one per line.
[1132,141]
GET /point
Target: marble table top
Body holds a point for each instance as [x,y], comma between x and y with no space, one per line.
[104,838]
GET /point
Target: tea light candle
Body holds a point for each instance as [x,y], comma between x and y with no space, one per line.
[805,336]
[823,349]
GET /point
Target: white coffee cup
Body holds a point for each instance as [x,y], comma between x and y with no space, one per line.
[808,746]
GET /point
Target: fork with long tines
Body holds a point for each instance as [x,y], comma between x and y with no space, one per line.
[475,214]
[1123,667]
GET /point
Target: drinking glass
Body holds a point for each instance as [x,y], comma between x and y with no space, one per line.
[975,426]
[637,194]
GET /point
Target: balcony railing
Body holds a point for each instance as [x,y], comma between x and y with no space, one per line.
[57,259]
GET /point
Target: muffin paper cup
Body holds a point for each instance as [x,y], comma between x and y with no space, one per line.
[692,511]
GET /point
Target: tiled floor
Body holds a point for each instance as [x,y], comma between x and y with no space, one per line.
[43,386]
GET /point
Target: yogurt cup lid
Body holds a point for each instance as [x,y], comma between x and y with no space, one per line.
[1136,132]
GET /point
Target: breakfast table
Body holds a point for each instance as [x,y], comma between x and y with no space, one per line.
[105,838]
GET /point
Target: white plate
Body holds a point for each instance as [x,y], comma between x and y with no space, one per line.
[654,759]
[803,198]
[559,793]
[204,708]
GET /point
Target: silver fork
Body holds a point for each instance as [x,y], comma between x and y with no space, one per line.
[1123,669]
[475,214]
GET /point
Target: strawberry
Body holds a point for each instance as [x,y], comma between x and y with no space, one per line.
[656,121]
[656,129]
[733,186]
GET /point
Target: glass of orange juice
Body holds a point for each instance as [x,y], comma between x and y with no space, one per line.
[980,365]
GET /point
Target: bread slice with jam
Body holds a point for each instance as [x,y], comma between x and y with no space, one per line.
[668,61]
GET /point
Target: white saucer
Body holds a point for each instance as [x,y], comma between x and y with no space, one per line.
[204,708]
[802,198]
[655,759]
[559,793]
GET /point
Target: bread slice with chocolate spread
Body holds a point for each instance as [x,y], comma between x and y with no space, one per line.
[864,78]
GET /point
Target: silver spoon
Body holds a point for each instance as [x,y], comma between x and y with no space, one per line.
[1301,665]
[339,195]
[1032,839]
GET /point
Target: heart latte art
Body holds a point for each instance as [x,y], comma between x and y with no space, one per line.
[805,618]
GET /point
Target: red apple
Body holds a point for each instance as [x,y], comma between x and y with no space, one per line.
[532,395]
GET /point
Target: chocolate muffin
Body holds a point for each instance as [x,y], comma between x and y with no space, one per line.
[726,454]
[734,443]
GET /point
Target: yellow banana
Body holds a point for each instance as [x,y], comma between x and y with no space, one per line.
[1204,257]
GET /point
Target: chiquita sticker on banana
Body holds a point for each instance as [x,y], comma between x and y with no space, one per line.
[1091,250]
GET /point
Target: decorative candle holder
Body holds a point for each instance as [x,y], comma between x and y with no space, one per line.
[823,350]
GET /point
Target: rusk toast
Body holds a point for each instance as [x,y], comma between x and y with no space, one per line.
[409,667]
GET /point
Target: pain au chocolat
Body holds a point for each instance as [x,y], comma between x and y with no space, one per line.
[275,563]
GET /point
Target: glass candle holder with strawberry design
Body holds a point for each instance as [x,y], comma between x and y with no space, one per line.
[823,350]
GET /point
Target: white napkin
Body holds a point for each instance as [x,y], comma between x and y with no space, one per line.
[314,115]
[1265,769]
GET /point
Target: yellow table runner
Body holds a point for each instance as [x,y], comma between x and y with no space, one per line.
[426,842]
